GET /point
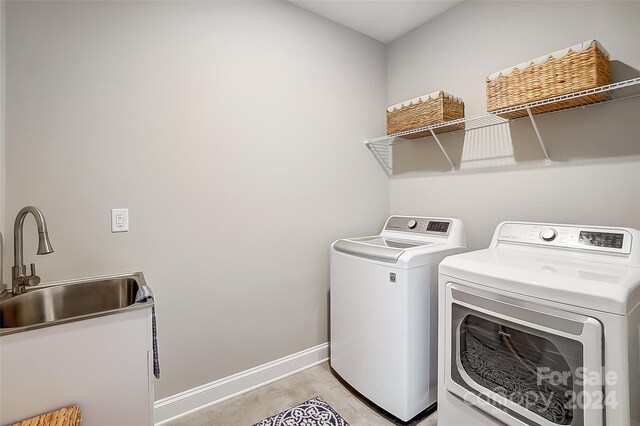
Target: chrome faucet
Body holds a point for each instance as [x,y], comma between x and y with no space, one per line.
[20,279]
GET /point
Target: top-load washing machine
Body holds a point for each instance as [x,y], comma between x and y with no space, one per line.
[542,328]
[384,310]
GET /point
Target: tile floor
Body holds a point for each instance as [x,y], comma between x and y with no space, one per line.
[251,407]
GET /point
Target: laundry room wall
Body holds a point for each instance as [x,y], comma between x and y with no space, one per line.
[2,114]
[232,131]
[596,176]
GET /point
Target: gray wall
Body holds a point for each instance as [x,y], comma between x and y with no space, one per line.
[232,132]
[2,114]
[596,177]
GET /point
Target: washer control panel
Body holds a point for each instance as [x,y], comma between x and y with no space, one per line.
[572,237]
[419,225]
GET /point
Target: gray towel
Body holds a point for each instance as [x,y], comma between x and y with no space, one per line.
[144,293]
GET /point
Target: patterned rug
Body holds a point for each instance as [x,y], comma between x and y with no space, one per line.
[314,412]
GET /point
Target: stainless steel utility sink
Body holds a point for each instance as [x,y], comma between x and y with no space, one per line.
[66,301]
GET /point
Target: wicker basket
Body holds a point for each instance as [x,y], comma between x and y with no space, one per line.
[427,110]
[68,416]
[580,67]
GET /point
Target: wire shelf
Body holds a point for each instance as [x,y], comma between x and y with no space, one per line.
[382,146]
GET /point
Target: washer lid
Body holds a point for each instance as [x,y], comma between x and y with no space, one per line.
[577,282]
[377,248]
[391,242]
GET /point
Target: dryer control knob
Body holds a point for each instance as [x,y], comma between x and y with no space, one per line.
[548,234]
[412,224]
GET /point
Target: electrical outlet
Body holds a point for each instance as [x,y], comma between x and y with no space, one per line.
[119,220]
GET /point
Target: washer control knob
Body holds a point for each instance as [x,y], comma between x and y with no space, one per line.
[548,234]
[412,224]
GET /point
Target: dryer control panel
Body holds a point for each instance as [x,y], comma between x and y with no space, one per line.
[419,225]
[566,236]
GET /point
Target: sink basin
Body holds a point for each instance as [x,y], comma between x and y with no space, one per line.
[61,302]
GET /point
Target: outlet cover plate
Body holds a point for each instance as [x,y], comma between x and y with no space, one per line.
[119,220]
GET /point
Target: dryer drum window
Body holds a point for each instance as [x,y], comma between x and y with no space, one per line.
[527,367]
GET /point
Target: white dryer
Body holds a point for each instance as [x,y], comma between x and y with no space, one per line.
[384,310]
[542,328]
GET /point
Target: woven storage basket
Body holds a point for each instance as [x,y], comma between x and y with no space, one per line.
[67,416]
[580,67]
[427,110]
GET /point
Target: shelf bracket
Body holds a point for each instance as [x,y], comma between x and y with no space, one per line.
[453,168]
[547,160]
[387,167]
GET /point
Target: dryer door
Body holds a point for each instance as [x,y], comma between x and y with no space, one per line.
[522,363]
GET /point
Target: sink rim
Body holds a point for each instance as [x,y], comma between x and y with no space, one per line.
[137,276]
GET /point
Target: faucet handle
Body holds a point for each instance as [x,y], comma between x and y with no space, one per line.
[33,279]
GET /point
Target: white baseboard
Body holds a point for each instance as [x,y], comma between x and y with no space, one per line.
[195,399]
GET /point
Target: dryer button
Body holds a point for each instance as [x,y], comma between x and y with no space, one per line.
[548,234]
[412,224]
